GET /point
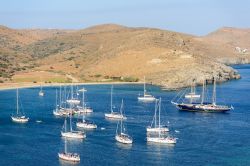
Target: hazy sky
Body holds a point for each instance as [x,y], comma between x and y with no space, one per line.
[189,16]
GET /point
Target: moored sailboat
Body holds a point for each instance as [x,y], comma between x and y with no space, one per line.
[156,127]
[112,114]
[146,97]
[160,138]
[86,124]
[192,94]
[83,108]
[18,118]
[41,93]
[121,136]
[72,157]
[203,106]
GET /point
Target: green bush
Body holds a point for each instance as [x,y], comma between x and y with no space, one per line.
[130,79]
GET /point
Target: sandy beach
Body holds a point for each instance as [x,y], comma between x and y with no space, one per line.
[7,86]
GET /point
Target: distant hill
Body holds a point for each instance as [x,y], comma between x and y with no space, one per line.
[112,52]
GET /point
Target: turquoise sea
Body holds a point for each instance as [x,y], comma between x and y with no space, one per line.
[204,139]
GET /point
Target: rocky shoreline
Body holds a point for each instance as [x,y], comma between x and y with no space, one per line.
[185,77]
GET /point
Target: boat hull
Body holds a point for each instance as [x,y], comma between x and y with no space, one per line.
[202,108]
[162,140]
[146,99]
[123,139]
[86,125]
[77,135]
[115,116]
[19,119]
[69,157]
[157,129]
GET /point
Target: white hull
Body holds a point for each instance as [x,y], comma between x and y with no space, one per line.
[63,112]
[57,113]
[157,129]
[41,93]
[75,134]
[73,101]
[115,116]
[166,140]
[84,110]
[19,119]
[86,125]
[190,96]
[69,157]
[146,99]
[123,139]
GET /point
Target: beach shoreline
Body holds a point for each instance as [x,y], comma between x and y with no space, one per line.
[9,86]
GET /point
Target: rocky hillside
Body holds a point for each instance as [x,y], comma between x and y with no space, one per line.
[118,53]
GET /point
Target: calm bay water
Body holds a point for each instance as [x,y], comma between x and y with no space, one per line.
[204,138]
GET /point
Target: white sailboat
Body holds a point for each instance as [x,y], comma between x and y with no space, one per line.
[19,118]
[112,114]
[56,111]
[41,93]
[86,124]
[156,127]
[71,133]
[160,138]
[73,100]
[192,94]
[83,108]
[121,136]
[146,97]
[59,110]
[72,157]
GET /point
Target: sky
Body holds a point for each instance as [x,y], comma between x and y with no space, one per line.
[198,17]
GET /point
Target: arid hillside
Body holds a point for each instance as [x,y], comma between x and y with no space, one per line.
[111,52]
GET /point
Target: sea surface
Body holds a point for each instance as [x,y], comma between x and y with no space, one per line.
[204,139]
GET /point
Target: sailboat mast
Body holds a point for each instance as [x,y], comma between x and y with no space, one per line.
[117,127]
[83,95]
[159,113]
[156,105]
[70,120]
[121,114]
[111,99]
[214,92]
[144,86]
[71,90]
[65,125]
[17,108]
[56,99]
[203,92]
[60,97]
[159,132]
[65,145]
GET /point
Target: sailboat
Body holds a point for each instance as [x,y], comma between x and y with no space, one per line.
[19,118]
[156,127]
[112,114]
[62,109]
[73,100]
[212,107]
[73,157]
[121,136]
[160,138]
[192,94]
[83,108]
[57,111]
[146,97]
[86,124]
[41,93]
[71,133]
[203,106]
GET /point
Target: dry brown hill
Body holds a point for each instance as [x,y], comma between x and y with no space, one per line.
[112,52]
